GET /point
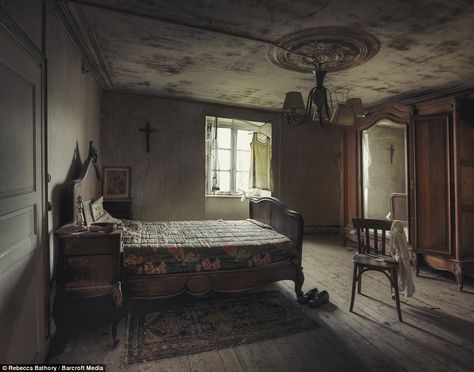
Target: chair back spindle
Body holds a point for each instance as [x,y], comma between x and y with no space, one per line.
[371,230]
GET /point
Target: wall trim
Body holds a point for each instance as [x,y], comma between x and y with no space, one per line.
[267,110]
[322,229]
[79,30]
[411,99]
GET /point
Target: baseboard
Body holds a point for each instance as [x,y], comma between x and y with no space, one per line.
[322,229]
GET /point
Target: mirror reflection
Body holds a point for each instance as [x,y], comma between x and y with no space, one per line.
[384,171]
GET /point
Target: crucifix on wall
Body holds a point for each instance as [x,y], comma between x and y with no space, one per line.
[147,131]
[392,152]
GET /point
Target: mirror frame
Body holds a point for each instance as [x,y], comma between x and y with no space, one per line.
[401,126]
[399,114]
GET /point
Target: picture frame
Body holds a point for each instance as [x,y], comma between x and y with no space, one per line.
[117,183]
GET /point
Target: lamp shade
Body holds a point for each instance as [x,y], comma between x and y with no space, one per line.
[343,115]
[356,104]
[293,102]
[347,112]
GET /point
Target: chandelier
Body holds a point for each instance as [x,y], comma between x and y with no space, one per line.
[324,113]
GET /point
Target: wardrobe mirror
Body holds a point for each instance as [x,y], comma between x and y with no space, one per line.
[384,171]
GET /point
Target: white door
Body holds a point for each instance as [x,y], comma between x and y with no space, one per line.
[22,259]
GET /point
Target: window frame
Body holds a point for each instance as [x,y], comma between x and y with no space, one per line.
[233,192]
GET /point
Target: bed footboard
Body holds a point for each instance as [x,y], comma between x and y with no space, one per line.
[273,212]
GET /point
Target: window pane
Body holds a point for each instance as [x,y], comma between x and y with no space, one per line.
[223,157]
[242,181]
[223,138]
[244,137]
[243,161]
[224,181]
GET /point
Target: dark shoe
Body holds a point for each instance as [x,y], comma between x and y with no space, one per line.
[311,294]
[319,299]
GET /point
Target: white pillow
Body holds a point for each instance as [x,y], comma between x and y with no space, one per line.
[97,209]
[106,217]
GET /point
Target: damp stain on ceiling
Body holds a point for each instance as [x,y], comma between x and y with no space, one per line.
[218,51]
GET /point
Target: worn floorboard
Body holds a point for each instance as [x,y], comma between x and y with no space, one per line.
[436,334]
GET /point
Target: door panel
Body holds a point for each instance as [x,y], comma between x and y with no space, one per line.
[18,115]
[22,265]
[433,184]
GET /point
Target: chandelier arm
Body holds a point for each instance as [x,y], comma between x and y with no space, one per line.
[329,110]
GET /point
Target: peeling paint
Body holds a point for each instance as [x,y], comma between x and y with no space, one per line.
[426,45]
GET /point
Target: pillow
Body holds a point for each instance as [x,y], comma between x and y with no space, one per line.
[106,217]
[97,209]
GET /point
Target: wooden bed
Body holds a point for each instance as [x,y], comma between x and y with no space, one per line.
[269,211]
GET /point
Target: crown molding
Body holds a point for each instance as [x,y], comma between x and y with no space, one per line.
[228,105]
[75,22]
[410,99]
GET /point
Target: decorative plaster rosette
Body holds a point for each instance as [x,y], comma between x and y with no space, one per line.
[336,48]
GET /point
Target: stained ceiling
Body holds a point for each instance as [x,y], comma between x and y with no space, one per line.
[220,51]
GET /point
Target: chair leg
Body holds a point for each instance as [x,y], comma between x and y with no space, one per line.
[397,295]
[359,281]
[354,279]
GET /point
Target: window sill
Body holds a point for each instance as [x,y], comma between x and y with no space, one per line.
[224,196]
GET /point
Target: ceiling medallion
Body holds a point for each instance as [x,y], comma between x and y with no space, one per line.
[335,48]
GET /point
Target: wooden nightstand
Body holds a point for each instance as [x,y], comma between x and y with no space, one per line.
[119,208]
[90,266]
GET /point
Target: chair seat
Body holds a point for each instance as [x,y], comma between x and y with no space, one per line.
[374,262]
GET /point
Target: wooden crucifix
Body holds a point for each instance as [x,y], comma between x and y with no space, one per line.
[147,131]
[392,151]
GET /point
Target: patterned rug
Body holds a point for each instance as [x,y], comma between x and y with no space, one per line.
[212,323]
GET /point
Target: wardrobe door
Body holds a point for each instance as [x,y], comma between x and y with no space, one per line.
[433,188]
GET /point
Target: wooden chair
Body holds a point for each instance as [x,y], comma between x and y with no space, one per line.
[371,257]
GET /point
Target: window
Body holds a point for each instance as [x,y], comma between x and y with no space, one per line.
[228,154]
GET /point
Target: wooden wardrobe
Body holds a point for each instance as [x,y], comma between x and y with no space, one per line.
[442,209]
[440,180]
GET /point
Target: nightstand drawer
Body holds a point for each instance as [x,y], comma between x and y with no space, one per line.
[89,271]
[91,246]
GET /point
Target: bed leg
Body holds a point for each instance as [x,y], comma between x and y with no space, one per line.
[299,283]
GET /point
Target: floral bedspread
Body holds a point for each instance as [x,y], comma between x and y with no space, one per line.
[152,248]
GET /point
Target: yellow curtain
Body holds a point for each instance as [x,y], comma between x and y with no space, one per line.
[261,163]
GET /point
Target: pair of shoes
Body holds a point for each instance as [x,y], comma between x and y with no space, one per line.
[320,299]
[308,296]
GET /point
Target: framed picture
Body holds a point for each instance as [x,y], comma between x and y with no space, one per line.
[117,183]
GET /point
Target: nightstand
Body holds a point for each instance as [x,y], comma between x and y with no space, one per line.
[90,266]
[119,208]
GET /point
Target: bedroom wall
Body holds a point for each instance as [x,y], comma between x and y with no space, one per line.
[72,107]
[73,115]
[168,183]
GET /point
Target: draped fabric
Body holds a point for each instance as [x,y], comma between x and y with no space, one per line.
[399,250]
[212,153]
[260,164]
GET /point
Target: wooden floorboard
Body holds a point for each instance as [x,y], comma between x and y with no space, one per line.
[436,334]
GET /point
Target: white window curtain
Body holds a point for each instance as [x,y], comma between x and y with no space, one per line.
[367,161]
[213,159]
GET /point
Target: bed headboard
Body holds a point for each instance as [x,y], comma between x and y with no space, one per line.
[273,212]
[88,186]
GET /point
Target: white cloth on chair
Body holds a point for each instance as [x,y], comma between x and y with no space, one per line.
[399,251]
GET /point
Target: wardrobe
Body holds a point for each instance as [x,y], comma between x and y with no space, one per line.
[435,186]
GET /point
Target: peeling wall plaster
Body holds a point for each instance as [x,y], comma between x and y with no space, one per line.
[169,182]
[426,46]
